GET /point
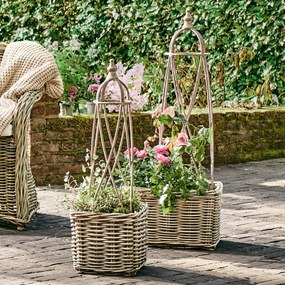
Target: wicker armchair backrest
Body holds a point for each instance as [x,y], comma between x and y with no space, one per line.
[2,49]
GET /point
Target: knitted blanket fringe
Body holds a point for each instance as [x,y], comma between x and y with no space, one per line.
[26,66]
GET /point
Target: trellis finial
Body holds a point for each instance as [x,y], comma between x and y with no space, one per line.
[112,68]
[187,20]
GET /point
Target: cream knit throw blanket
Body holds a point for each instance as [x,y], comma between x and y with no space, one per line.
[26,66]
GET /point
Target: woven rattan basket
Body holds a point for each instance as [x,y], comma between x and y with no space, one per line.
[193,223]
[109,243]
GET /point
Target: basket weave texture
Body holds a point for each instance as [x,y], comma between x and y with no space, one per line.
[193,223]
[109,244]
[18,197]
[25,76]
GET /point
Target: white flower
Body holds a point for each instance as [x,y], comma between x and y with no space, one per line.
[133,79]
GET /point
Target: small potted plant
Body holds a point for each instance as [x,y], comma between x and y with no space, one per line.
[72,64]
[91,93]
[108,220]
[66,104]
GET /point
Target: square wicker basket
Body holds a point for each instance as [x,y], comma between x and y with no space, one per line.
[194,223]
[110,244]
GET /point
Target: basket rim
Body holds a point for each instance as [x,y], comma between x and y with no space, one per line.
[217,190]
[143,208]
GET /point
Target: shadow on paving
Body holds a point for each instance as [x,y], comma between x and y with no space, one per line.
[41,225]
[226,251]
[232,251]
[167,276]
[148,273]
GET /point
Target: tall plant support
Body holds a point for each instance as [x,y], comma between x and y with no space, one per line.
[111,143]
[202,69]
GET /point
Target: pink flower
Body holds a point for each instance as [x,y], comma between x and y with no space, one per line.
[73,91]
[169,111]
[96,78]
[161,149]
[141,154]
[182,139]
[72,97]
[134,150]
[161,158]
[93,87]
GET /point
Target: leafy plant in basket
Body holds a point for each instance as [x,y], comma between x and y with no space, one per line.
[111,219]
[174,168]
[84,197]
[101,186]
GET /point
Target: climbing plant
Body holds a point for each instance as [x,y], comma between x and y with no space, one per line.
[245,38]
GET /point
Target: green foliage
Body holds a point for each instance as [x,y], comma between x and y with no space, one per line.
[247,46]
[73,67]
[245,39]
[164,168]
[106,201]
[86,197]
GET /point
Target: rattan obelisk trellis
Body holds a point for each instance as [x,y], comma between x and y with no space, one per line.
[123,132]
[110,243]
[201,70]
[195,222]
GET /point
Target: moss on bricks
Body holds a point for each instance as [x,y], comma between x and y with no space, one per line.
[240,136]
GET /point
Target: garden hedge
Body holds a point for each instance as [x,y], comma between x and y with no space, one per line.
[246,38]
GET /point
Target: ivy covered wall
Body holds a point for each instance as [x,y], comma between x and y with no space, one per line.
[246,38]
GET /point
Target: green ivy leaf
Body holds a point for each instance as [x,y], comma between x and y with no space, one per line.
[165,119]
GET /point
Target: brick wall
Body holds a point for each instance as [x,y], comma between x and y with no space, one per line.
[59,144]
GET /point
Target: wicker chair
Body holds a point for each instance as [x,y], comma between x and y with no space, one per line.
[18,197]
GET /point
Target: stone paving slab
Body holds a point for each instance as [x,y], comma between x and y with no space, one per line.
[251,250]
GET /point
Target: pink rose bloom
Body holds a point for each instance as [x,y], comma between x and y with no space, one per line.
[134,150]
[161,158]
[182,139]
[169,111]
[73,91]
[141,154]
[93,87]
[161,149]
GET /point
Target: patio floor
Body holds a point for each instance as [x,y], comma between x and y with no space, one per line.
[251,250]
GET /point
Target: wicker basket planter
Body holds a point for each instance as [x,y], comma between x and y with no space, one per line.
[194,223]
[109,235]
[109,243]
